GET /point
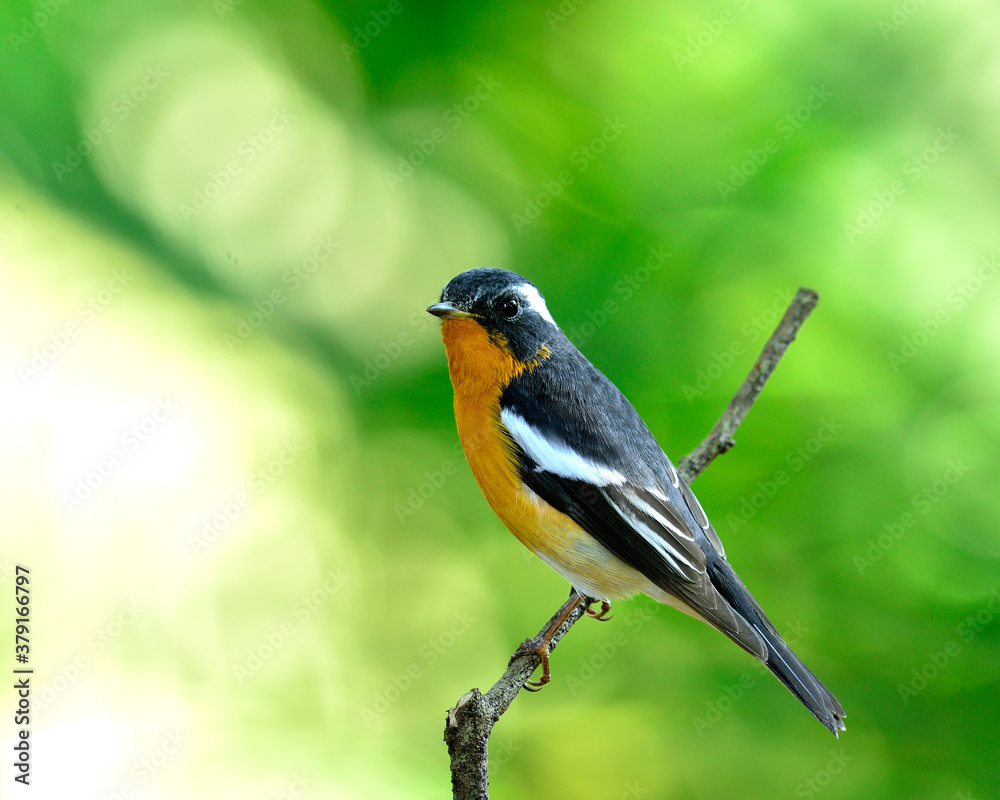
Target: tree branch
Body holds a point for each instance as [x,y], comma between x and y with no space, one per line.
[720,438]
[470,722]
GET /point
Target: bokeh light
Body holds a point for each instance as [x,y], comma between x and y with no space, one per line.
[260,566]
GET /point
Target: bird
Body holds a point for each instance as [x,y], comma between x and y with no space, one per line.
[571,469]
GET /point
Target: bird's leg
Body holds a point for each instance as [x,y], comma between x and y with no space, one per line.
[540,644]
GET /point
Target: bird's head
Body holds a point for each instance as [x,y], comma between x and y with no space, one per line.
[506,307]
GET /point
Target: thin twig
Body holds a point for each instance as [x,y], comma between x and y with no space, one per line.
[470,722]
[720,439]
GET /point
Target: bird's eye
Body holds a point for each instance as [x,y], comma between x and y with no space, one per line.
[509,309]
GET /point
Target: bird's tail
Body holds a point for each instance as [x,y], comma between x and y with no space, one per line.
[786,666]
[789,669]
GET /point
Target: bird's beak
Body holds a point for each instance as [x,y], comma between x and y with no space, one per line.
[448,310]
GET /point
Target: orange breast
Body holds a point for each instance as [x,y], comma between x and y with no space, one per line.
[479,370]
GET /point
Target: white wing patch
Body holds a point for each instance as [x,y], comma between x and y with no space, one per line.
[670,545]
[557,457]
[667,524]
[663,546]
[535,301]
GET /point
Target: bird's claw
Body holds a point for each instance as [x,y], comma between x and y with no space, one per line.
[540,648]
[603,615]
[542,651]
[540,645]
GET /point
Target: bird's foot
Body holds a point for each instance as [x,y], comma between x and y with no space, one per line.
[541,644]
[603,615]
[540,648]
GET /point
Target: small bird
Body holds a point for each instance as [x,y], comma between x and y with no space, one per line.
[571,469]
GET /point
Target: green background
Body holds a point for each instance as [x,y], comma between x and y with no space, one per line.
[219,226]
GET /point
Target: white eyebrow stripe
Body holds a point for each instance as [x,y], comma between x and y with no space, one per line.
[557,457]
[535,301]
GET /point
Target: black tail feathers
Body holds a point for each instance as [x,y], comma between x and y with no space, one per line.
[786,666]
[790,670]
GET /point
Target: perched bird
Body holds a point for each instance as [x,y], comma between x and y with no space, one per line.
[571,469]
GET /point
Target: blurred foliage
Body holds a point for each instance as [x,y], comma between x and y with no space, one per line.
[229,456]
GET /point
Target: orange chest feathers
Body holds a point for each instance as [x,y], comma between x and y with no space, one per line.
[480,370]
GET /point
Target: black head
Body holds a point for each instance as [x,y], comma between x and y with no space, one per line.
[506,304]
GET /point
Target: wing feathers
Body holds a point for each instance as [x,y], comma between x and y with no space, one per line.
[554,456]
[640,526]
[591,457]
